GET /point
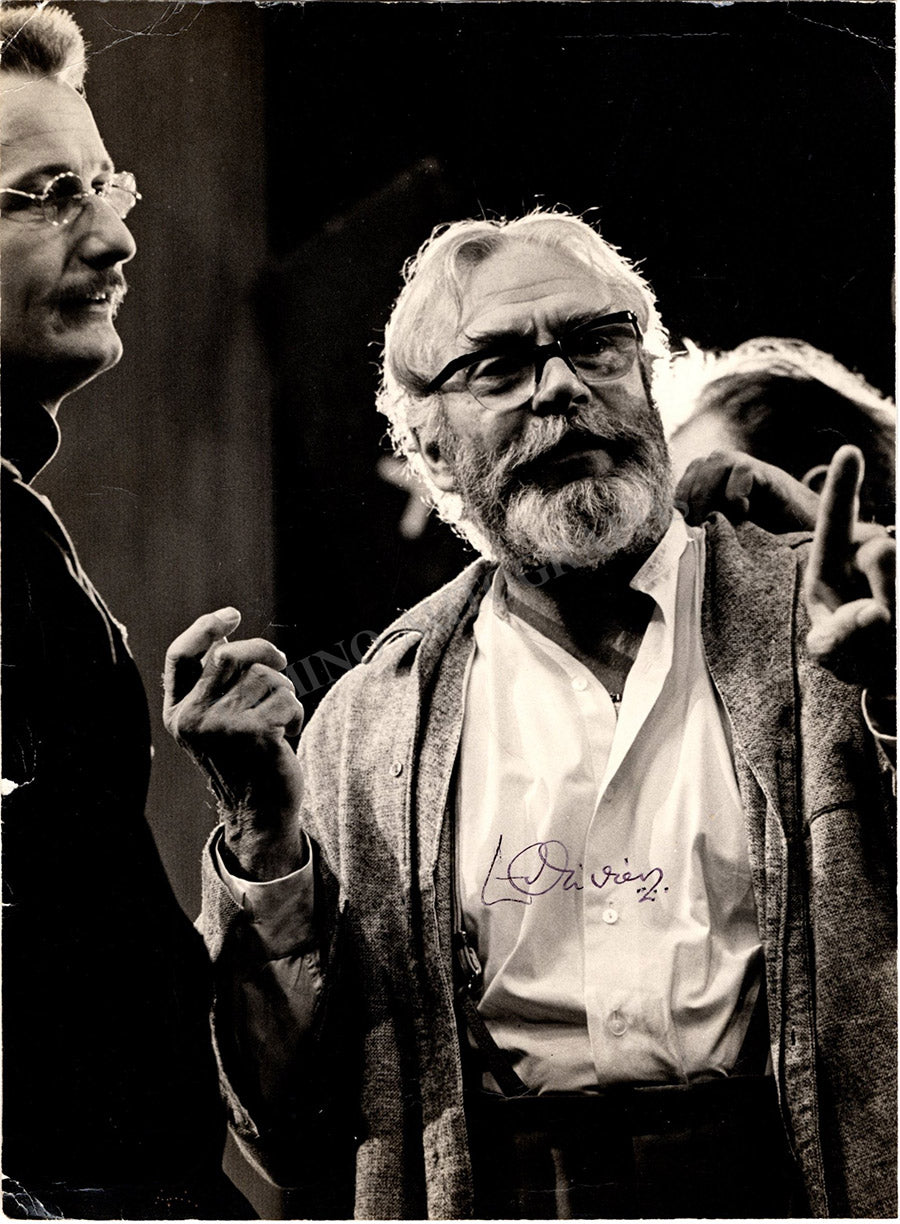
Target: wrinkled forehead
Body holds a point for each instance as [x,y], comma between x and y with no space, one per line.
[527,288]
[46,123]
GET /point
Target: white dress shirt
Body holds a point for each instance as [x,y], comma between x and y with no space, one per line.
[604,863]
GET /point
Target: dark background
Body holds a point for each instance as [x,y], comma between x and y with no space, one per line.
[744,152]
[292,156]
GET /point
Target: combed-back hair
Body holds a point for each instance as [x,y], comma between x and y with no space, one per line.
[44,41]
[428,308]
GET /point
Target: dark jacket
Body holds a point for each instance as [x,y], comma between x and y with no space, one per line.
[109,1088]
[382,1087]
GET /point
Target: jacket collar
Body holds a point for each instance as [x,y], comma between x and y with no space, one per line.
[30,439]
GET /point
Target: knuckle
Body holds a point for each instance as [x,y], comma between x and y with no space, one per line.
[880,550]
[259,645]
[288,703]
[261,650]
[187,723]
[216,658]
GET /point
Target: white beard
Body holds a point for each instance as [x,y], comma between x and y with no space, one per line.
[584,523]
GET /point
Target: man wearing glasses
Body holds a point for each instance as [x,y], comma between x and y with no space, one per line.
[577,897]
[110,1099]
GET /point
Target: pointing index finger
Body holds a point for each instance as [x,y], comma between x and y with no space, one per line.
[833,543]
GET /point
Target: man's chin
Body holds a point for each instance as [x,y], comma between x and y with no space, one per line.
[579,526]
[60,368]
[87,345]
[589,554]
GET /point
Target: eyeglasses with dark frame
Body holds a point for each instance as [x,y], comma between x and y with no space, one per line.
[506,374]
[65,196]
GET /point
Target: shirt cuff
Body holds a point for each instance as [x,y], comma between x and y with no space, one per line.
[885,728]
[281,910]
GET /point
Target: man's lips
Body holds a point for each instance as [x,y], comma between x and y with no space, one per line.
[570,449]
[93,297]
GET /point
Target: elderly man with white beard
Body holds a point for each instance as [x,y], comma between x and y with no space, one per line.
[576,898]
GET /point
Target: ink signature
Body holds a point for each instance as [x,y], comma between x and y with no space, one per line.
[544,865]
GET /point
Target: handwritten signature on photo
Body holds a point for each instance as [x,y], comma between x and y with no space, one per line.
[544,865]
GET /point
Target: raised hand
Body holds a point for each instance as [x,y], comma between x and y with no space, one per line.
[849,586]
[228,705]
[742,487]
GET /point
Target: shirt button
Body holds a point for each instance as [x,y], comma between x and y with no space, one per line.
[610,916]
[579,684]
[617,1024]
[397,768]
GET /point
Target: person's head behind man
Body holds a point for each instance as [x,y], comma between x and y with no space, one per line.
[63,238]
[787,403]
[546,448]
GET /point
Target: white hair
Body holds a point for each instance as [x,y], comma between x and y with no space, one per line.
[694,380]
[45,41]
[428,308]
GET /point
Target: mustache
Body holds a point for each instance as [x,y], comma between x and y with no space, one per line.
[110,283]
[551,437]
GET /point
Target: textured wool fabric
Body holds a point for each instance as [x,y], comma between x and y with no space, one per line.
[372,1121]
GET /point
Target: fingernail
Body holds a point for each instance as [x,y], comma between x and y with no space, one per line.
[228,614]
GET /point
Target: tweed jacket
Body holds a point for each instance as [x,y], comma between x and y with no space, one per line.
[374,1122]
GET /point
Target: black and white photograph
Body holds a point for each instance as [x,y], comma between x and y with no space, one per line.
[448,609]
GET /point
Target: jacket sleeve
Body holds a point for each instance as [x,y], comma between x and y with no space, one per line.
[885,737]
[283,1020]
[268,998]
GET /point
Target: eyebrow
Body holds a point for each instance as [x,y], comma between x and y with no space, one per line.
[34,175]
[490,339]
[513,336]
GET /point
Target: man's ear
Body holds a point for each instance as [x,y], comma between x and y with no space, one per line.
[440,469]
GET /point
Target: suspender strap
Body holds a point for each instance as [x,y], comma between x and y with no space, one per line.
[497,1062]
[469,985]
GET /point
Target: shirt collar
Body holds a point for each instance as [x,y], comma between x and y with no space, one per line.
[658,576]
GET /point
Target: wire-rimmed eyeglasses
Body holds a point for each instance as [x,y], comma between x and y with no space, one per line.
[506,374]
[65,196]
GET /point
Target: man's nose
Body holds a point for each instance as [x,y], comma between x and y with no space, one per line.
[559,389]
[104,238]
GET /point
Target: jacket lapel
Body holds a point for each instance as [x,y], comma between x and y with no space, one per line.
[749,608]
[443,658]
